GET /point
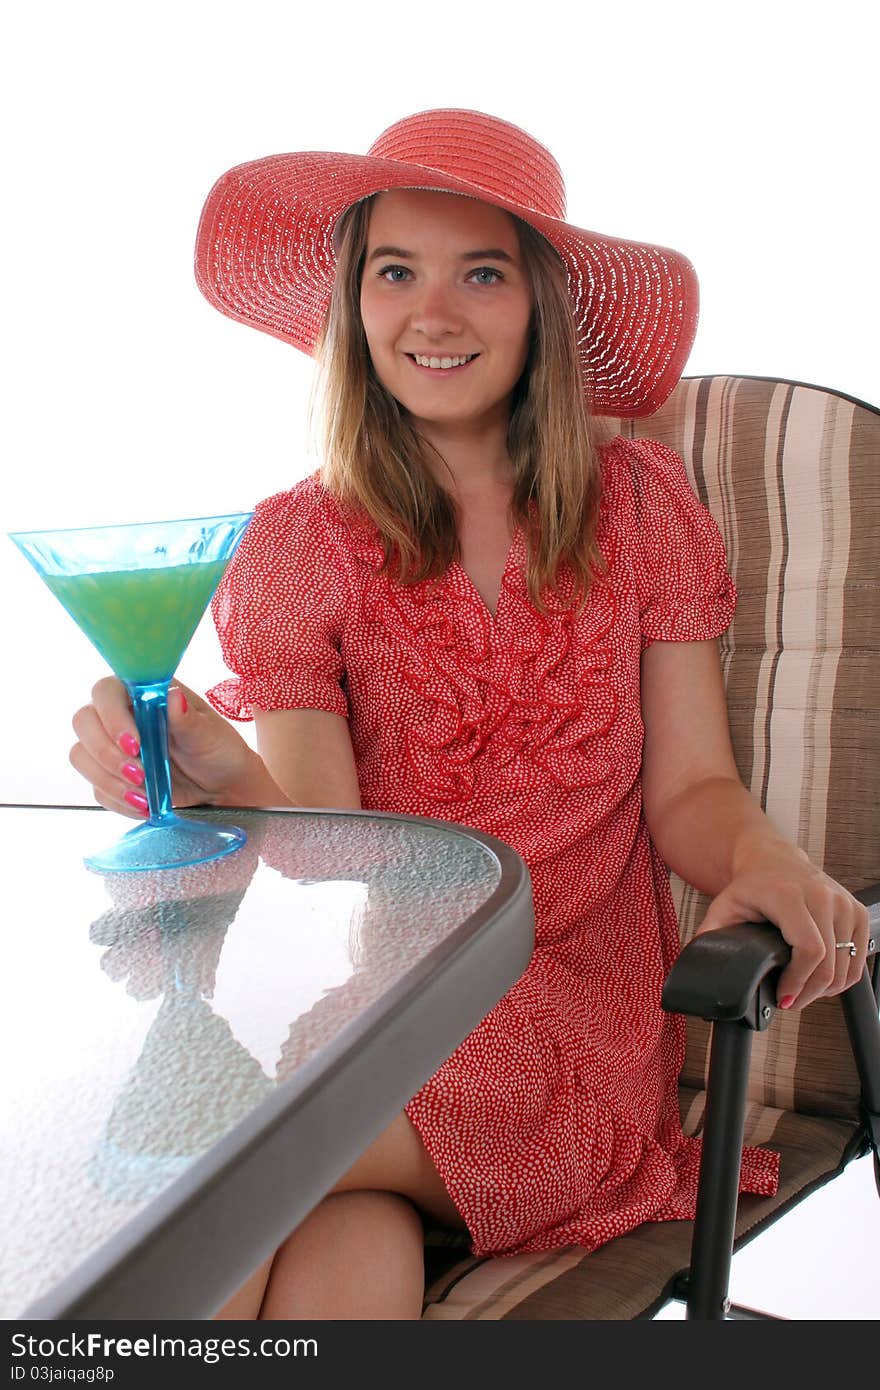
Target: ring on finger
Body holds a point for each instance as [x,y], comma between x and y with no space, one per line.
[846,946]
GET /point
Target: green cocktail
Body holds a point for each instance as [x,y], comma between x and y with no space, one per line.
[141,621]
[138,592]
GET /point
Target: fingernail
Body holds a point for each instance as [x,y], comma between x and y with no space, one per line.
[133,773]
[786,1001]
[175,689]
[129,744]
[137,800]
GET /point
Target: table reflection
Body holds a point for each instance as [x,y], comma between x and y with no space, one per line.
[163,938]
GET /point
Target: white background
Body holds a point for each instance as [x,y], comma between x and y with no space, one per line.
[743,135]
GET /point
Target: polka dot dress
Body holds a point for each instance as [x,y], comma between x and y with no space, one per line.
[556,1120]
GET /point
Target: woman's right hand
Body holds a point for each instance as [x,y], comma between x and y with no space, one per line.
[210,762]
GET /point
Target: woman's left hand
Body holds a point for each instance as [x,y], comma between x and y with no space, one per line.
[779,884]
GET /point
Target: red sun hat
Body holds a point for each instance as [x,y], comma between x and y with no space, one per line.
[264,248]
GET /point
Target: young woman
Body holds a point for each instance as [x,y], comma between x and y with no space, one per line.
[479,609]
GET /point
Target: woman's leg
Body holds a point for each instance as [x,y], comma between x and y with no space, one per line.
[357,1255]
[244,1305]
[378,1238]
[397,1161]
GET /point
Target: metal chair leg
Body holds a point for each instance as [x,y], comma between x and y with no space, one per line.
[863,1026]
[715,1220]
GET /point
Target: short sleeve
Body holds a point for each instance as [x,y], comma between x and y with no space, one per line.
[278,612]
[686,593]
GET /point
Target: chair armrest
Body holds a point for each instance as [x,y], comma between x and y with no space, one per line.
[730,974]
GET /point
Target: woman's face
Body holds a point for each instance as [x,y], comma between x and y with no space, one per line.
[446,305]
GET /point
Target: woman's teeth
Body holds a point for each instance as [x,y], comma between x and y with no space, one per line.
[444,363]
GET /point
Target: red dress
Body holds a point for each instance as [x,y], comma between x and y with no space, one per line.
[556,1121]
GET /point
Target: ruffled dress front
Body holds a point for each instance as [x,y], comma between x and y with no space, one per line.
[556,1121]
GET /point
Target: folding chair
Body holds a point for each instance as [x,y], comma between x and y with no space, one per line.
[791,474]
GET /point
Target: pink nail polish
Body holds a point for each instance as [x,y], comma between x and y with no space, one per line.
[138,801]
[133,773]
[786,1001]
[129,744]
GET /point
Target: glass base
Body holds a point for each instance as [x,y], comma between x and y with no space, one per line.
[171,843]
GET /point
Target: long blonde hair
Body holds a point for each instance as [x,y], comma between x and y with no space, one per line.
[375,461]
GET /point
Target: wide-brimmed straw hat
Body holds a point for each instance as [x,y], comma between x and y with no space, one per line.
[264,250]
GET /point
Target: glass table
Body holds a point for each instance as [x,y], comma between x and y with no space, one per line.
[193,1057]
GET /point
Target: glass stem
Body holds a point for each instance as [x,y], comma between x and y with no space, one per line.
[150,705]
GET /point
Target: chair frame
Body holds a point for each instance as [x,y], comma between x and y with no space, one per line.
[728,977]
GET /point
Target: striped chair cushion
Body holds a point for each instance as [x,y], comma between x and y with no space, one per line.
[632,1276]
[791,474]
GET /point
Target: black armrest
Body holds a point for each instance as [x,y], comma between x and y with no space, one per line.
[731,973]
[728,974]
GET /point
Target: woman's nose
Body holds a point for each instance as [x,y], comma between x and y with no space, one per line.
[435,314]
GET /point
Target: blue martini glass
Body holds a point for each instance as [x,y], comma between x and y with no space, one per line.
[138,593]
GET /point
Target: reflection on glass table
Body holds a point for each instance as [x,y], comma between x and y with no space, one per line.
[188,1040]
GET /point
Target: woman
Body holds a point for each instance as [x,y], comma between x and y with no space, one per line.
[478,610]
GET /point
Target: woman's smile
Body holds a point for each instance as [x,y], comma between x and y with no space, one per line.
[443,365]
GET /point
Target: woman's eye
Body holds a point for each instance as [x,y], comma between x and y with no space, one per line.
[394,274]
[485,275]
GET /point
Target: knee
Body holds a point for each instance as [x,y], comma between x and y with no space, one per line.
[358,1221]
[371,1204]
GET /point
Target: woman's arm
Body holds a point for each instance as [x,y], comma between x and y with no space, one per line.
[700,815]
[308,754]
[711,831]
